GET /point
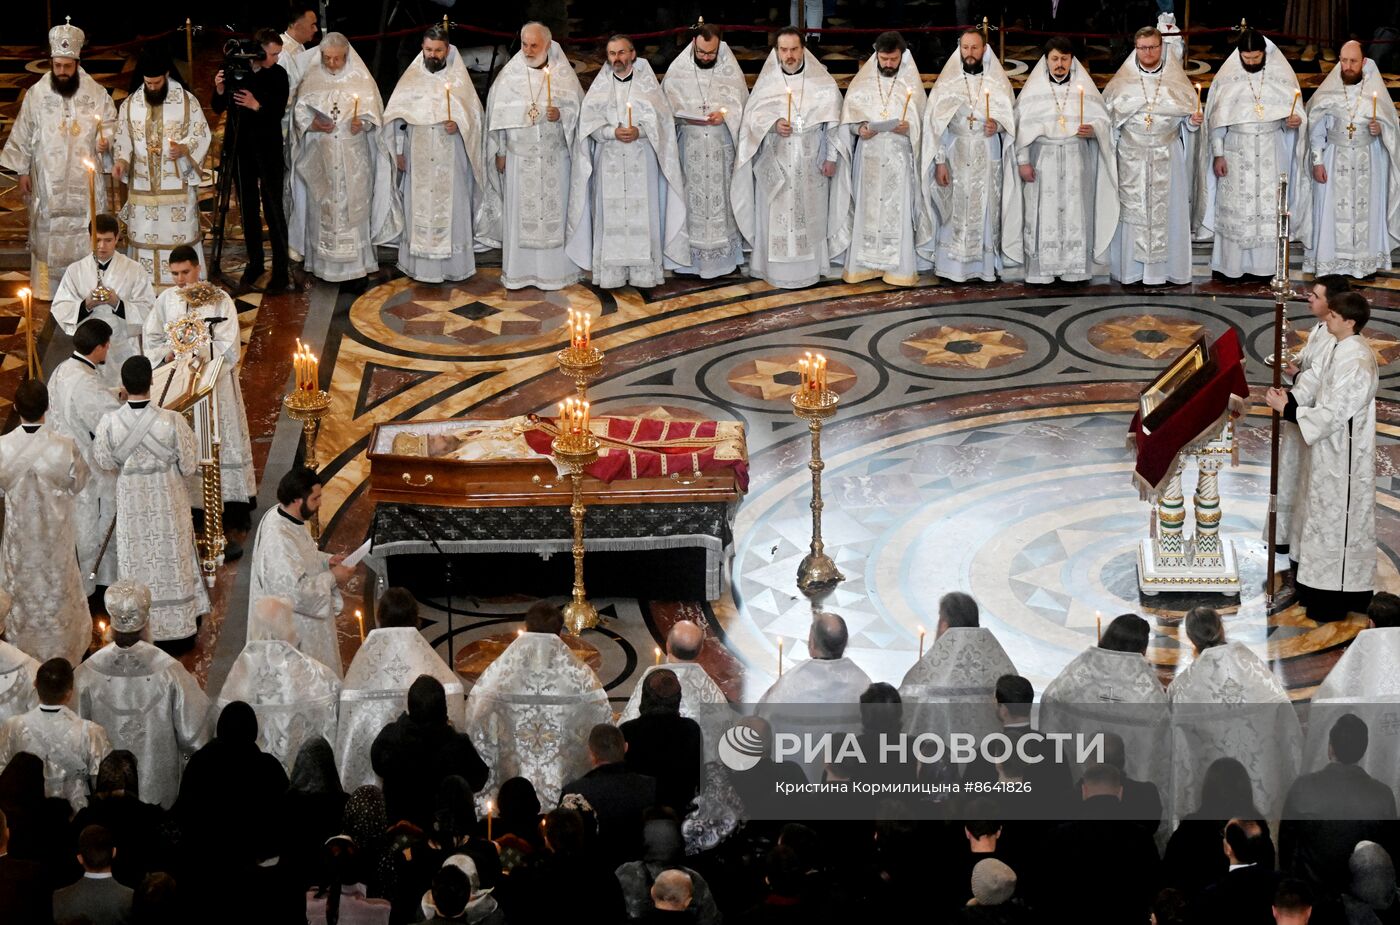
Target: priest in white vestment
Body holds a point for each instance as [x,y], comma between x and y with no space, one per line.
[792,173]
[1062,223]
[1334,522]
[627,218]
[70,747]
[78,400]
[216,312]
[530,712]
[344,195]
[65,122]
[375,691]
[153,452]
[288,563]
[532,114]
[294,696]
[969,130]
[41,475]
[701,698]
[1354,142]
[112,288]
[1255,118]
[1156,118]
[1228,704]
[817,696]
[705,83]
[434,125]
[17,671]
[162,138]
[147,701]
[891,225]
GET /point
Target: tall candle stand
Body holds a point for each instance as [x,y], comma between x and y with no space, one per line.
[817,575]
[213,543]
[581,362]
[308,403]
[577,451]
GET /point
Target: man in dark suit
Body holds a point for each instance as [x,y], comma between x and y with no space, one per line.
[615,796]
[22,894]
[1245,895]
[1051,781]
[97,897]
[665,745]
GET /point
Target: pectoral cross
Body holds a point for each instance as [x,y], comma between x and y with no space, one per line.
[1147,119]
[1062,122]
[1351,130]
[335,110]
[533,112]
[971,120]
[1259,110]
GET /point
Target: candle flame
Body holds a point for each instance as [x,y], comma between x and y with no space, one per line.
[89,164]
[24,293]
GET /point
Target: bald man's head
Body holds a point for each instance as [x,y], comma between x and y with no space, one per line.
[1351,59]
[827,638]
[671,891]
[684,641]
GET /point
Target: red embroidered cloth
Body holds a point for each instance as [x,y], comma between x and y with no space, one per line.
[638,448]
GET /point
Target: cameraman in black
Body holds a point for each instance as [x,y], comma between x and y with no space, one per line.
[260,98]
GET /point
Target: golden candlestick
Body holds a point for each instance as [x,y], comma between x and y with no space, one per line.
[212,543]
[577,451]
[309,406]
[817,575]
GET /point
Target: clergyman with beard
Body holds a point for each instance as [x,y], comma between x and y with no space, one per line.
[1355,170]
[161,140]
[64,120]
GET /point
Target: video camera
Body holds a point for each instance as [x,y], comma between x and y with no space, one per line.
[239,55]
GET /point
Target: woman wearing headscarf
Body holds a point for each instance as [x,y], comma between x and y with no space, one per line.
[312,809]
[38,824]
[454,831]
[138,828]
[480,907]
[340,899]
[367,822]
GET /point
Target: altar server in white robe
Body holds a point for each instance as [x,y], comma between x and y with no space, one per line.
[792,173]
[17,670]
[295,58]
[530,712]
[293,695]
[65,122]
[288,563]
[627,197]
[162,138]
[891,225]
[1156,118]
[705,81]
[41,475]
[1228,704]
[1354,141]
[123,306]
[153,452]
[70,747]
[147,702]
[1255,117]
[1334,523]
[216,311]
[78,400]
[1062,223]
[344,198]
[434,122]
[701,698]
[819,695]
[375,691]
[969,130]
[532,114]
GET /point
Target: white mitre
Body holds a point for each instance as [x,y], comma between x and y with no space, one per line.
[67,40]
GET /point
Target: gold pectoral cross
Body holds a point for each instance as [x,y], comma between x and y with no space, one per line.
[1351,130]
[971,120]
[533,112]
[1259,110]
[1062,122]
[1147,120]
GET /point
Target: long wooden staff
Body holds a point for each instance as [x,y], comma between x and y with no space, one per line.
[1282,288]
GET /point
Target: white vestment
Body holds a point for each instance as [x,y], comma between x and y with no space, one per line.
[1156,160]
[135,296]
[17,669]
[41,475]
[1334,524]
[149,705]
[1292,449]
[890,219]
[220,317]
[48,143]
[627,219]
[1356,213]
[293,695]
[78,400]
[344,194]
[1365,681]
[70,747]
[153,451]
[375,692]
[287,563]
[529,224]
[790,214]
[1062,223]
[1227,704]
[530,714]
[443,184]
[953,687]
[1246,115]
[701,700]
[162,205]
[707,155]
[814,697]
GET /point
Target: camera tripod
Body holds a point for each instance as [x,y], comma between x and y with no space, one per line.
[223,189]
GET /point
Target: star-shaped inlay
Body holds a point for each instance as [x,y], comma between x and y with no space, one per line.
[773,378]
[965,346]
[469,317]
[1145,335]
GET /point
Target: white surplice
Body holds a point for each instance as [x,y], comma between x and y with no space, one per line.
[70,747]
[135,296]
[812,698]
[701,700]
[293,695]
[1291,448]
[953,687]
[41,476]
[153,451]
[375,692]
[78,400]
[150,705]
[17,670]
[1365,681]
[287,563]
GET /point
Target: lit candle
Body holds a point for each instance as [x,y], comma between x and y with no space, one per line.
[585,418]
[780,656]
[490,811]
[356,98]
[921,642]
[548,88]
[821,373]
[802,372]
[1081,104]
[587,330]
[447,92]
[789,115]
[907,95]
[520,632]
[658,655]
[1294,105]
[629,115]
[1198,97]
[102,629]
[92,198]
[1373,106]
[360,619]
[1098,624]
[989,105]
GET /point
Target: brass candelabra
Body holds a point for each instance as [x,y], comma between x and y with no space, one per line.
[309,406]
[581,364]
[577,452]
[817,575]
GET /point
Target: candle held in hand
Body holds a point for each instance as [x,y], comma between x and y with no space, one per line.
[92,198]
[789,115]
[989,105]
[907,95]
[629,115]
[447,92]
[548,88]
[356,98]
[1081,104]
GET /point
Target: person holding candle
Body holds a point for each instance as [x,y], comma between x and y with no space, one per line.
[627,209]
[52,136]
[891,225]
[532,114]
[969,121]
[1062,223]
[1355,170]
[435,120]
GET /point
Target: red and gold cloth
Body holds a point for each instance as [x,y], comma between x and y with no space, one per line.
[639,448]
